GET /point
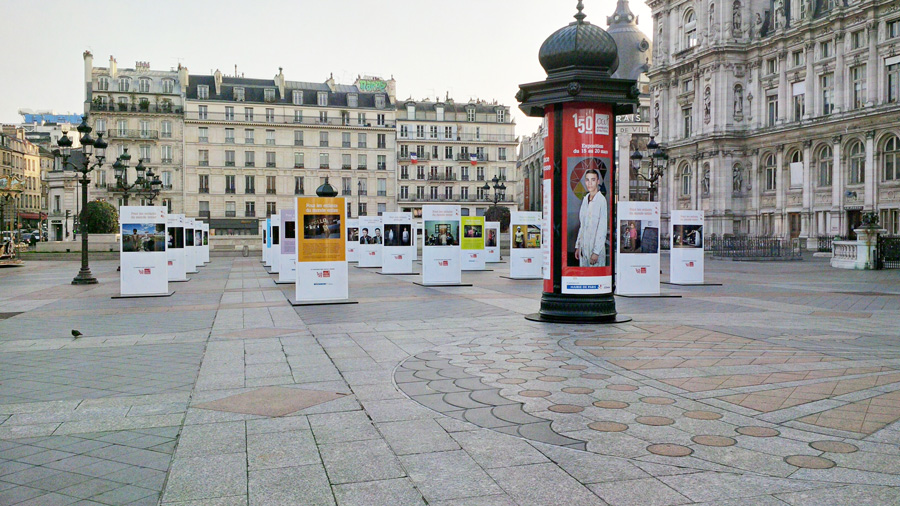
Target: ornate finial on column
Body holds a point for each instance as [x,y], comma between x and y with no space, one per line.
[580,15]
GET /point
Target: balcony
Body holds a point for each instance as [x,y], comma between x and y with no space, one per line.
[298,165]
[249,164]
[270,191]
[250,191]
[382,193]
[133,134]
[138,107]
[270,142]
[165,135]
[230,214]
[230,190]
[298,191]
[466,157]
[250,214]
[229,164]
[323,165]
[345,144]
[229,140]
[362,167]
[363,193]
[204,140]
[464,177]
[323,144]
[166,161]
[405,158]
[203,163]
[442,177]
[404,176]
[270,164]
[298,142]
[204,214]
[346,192]
[167,187]
[204,190]
[346,166]
[248,141]
[284,119]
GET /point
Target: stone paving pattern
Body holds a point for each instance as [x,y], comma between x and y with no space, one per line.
[781,386]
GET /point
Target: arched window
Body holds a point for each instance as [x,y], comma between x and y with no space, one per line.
[770,172]
[797,157]
[825,163]
[124,84]
[857,163]
[144,85]
[686,180]
[103,83]
[890,161]
[690,29]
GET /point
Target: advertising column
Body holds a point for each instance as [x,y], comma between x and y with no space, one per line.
[175,247]
[440,250]
[275,260]
[321,252]
[492,241]
[353,240]
[287,271]
[397,256]
[206,243]
[525,243]
[686,255]
[190,263]
[637,270]
[371,241]
[142,250]
[472,243]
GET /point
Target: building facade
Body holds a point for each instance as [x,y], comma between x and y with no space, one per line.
[780,118]
[253,145]
[26,161]
[447,151]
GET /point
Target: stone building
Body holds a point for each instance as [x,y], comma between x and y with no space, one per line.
[531,169]
[781,118]
[141,110]
[253,145]
[27,162]
[448,150]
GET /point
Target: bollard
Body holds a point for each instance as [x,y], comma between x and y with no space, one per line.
[246,251]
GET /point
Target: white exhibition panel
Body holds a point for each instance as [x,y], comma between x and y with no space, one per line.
[198,244]
[321,266]
[686,255]
[190,251]
[267,255]
[142,250]
[399,248]
[418,228]
[287,271]
[441,253]
[276,244]
[371,241]
[206,243]
[322,281]
[472,256]
[175,247]
[637,260]
[492,241]
[353,240]
[525,258]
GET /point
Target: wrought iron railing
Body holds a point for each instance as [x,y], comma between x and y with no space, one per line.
[825,243]
[752,247]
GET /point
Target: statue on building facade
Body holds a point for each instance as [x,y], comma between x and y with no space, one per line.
[707,105]
[779,14]
[738,102]
[656,118]
[705,181]
[736,28]
[737,178]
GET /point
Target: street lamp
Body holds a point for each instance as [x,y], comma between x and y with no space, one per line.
[499,189]
[146,183]
[89,148]
[659,159]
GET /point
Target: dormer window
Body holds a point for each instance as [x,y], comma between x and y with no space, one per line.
[269,94]
[501,115]
[411,111]
[297,97]
[379,101]
[144,85]
[440,112]
[322,98]
[124,84]
[168,86]
[239,94]
[103,83]
[470,114]
[353,100]
[203,92]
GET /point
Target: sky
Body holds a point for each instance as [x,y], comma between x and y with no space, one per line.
[467,48]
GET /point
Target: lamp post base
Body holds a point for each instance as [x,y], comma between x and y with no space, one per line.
[84,277]
[568,308]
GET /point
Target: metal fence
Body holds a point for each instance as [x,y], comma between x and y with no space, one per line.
[755,248]
[824,243]
[888,252]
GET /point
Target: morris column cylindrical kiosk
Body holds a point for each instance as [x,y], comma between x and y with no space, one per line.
[579,102]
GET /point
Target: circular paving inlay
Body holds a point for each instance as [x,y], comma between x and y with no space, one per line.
[534,393]
[552,379]
[573,367]
[518,360]
[670,450]
[511,381]
[481,362]
[495,371]
[703,415]
[713,440]
[566,408]
[472,353]
[757,431]
[622,388]
[556,359]
[809,462]
[608,426]
[611,404]
[532,368]
[594,376]
[654,420]
[578,390]
[662,401]
[507,352]
[833,446]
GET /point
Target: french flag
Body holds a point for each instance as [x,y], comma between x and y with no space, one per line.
[414,157]
[473,159]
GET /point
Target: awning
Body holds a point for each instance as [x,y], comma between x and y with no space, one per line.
[32,216]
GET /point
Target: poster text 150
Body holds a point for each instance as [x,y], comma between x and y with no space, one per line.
[586,123]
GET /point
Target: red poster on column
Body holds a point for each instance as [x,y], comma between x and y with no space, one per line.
[547,202]
[587,159]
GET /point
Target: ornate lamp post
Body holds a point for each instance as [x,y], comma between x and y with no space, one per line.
[89,148]
[499,190]
[659,160]
[146,183]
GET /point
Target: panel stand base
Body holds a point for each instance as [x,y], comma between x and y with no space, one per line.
[321,302]
[537,317]
[476,270]
[285,282]
[398,273]
[522,279]
[649,296]
[185,280]
[690,284]
[440,285]
[143,296]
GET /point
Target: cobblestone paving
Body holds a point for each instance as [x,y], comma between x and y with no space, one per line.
[778,387]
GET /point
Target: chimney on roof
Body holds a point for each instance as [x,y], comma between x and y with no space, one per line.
[330,82]
[113,68]
[279,81]
[217,77]
[392,89]
[88,79]
[183,77]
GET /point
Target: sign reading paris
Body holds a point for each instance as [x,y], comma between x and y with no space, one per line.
[370,85]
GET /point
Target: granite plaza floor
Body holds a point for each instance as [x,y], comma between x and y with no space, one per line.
[780,387]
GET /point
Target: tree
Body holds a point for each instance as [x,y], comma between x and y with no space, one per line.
[498,213]
[100,217]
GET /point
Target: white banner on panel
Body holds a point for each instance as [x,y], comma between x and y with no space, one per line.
[637,264]
[472,243]
[371,241]
[198,244]
[525,243]
[329,281]
[142,250]
[353,240]
[440,249]
[397,256]
[492,241]
[206,243]
[190,252]
[175,247]
[321,250]
[686,256]
[287,270]
[417,238]
[267,255]
[276,244]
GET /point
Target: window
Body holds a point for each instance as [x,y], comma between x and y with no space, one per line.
[347,186]
[470,114]
[858,39]
[361,162]
[345,139]
[203,134]
[891,159]
[165,129]
[202,112]
[323,160]
[690,30]
[229,113]
[229,136]
[239,94]
[298,116]
[464,173]
[298,185]
[893,83]
[168,86]
[270,159]
[433,192]
[249,184]
[479,173]
[420,192]
[857,163]
[145,152]
[270,137]
[361,119]
[204,183]
[166,179]
[322,98]
[249,209]
[448,133]
[434,152]
[379,119]
[248,114]
[270,209]
[501,154]
[687,121]
[771,172]
[379,101]
[501,173]
[103,83]
[420,131]
[890,220]
[248,136]
[771,109]
[799,94]
[382,162]
[297,97]
[382,187]
[501,115]
[404,192]
[420,172]
[858,80]
[892,29]
[771,66]
[100,125]
[323,139]
[826,49]
[479,193]
[363,185]
[345,161]
[249,159]
[229,158]
[202,92]
[825,162]
[229,184]
[124,84]
[352,100]
[145,129]
[166,154]
[404,131]
[298,137]
[298,160]
[382,141]
[361,140]
[270,115]
[362,209]
[826,84]
[404,172]
[797,58]
[323,117]
[687,86]
[270,184]
[433,132]
[269,95]
[448,152]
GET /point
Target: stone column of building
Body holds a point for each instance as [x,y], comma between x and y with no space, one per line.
[811,97]
[874,92]
[837,186]
[784,91]
[696,168]
[724,187]
[870,174]
[808,196]
[779,190]
[840,77]
[754,179]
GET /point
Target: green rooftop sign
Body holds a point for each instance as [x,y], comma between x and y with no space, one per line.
[372,86]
